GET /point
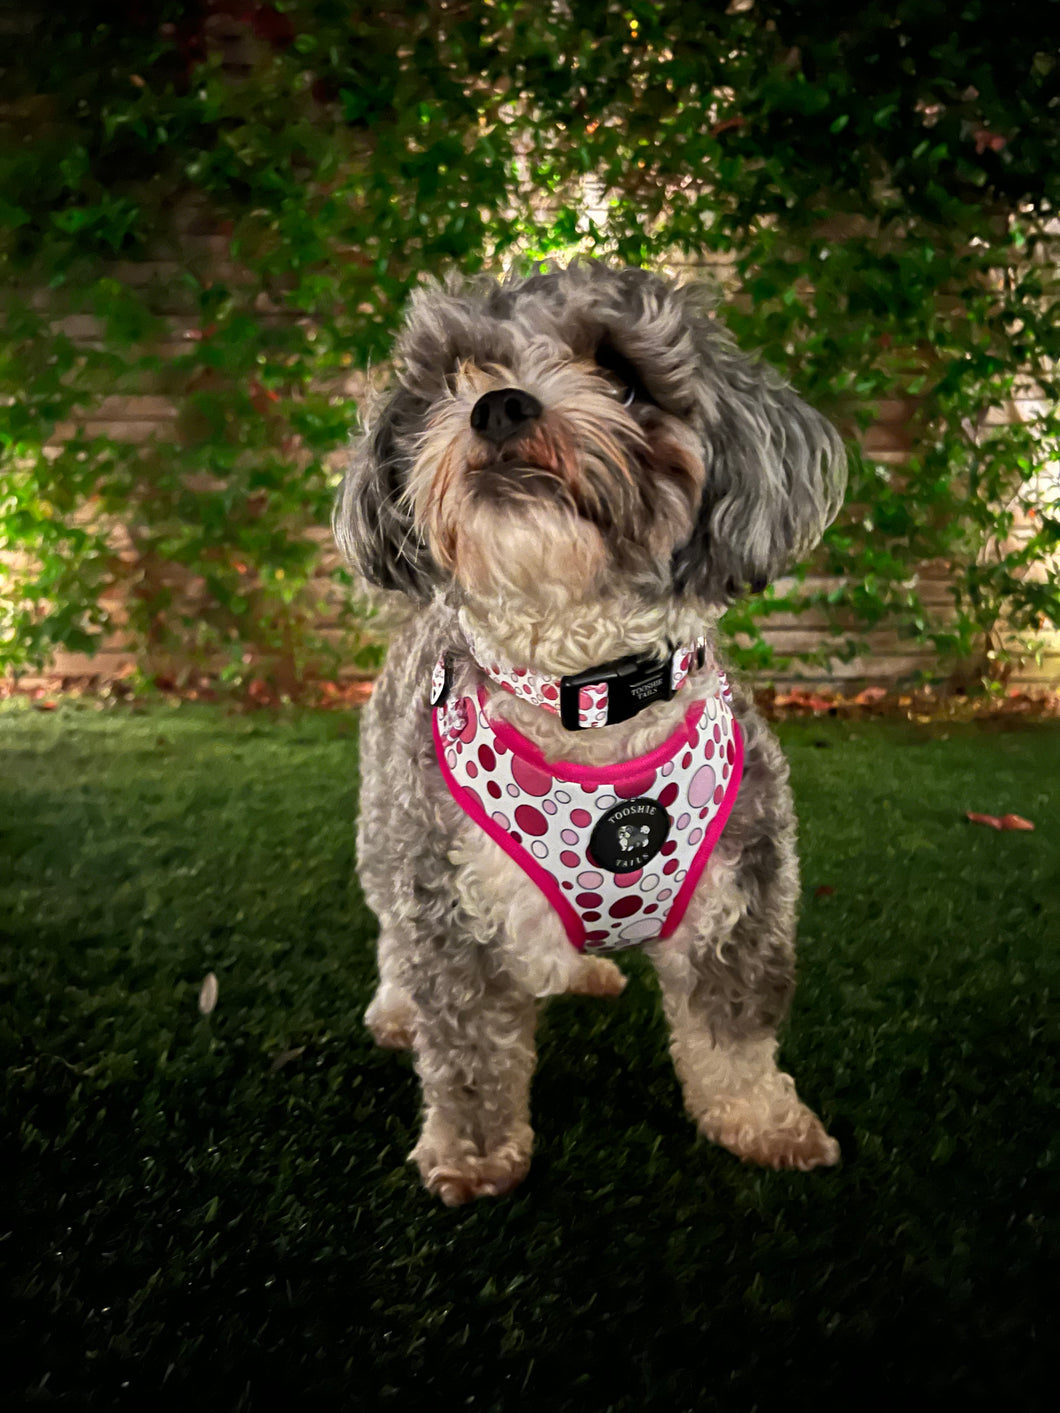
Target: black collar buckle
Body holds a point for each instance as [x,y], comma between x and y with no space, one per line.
[633,683]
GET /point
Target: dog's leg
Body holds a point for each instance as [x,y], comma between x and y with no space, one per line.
[475,1055]
[726,979]
[596,976]
[391,1016]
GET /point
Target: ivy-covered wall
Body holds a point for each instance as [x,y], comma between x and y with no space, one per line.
[211,214]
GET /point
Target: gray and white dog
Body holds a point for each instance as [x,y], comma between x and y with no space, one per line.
[575,469]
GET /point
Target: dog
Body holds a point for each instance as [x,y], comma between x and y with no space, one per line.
[575,474]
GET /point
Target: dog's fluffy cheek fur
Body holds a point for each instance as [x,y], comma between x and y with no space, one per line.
[542,554]
[677,485]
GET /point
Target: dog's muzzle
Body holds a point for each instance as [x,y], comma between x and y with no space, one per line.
[504,413]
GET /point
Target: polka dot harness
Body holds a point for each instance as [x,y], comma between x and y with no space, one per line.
[617,850]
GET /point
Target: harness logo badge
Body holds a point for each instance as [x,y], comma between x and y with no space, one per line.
[629,835]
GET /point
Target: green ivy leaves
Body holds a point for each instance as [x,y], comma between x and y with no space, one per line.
[226,236]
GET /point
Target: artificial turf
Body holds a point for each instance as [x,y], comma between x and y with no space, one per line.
[215,1212]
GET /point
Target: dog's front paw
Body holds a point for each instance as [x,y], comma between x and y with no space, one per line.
[391,1018]
[596,976]
[794,1139]
[459,1177]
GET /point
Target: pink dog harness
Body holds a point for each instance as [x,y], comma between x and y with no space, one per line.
[617,850]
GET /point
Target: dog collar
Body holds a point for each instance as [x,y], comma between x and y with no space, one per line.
[597,696]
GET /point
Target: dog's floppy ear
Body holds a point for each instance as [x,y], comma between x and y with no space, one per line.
[372,521]
[775,476]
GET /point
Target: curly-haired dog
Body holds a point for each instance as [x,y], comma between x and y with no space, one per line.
[576,473]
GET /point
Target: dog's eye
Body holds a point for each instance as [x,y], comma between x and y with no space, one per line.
[624,393]
[621,374]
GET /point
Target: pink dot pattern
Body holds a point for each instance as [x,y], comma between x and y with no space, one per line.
[680,667]
[549,815]
[592,705]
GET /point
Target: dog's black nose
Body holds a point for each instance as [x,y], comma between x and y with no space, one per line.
[499,415]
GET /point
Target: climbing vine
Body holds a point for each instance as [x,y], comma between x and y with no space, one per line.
[220,208]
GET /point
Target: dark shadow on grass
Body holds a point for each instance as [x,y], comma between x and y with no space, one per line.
[189,1225]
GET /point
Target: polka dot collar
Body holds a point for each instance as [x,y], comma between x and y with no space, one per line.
[598,696]
[618,849]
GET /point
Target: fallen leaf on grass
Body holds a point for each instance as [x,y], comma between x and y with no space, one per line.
[800,697]
[823,890]
[1004,821]
[353,693]
[285,1057]
[208,994]
[45,706]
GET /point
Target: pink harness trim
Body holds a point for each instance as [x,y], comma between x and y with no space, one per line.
[611,910]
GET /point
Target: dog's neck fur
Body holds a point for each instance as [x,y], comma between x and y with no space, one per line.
[575,637]
[571,638]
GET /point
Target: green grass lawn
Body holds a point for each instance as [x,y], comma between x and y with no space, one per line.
[216,1212]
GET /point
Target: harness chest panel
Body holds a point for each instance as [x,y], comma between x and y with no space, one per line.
[617,850]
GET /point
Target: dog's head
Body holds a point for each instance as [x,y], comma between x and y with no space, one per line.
[580,432]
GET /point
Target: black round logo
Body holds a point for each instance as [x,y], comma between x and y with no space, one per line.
[629,835]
